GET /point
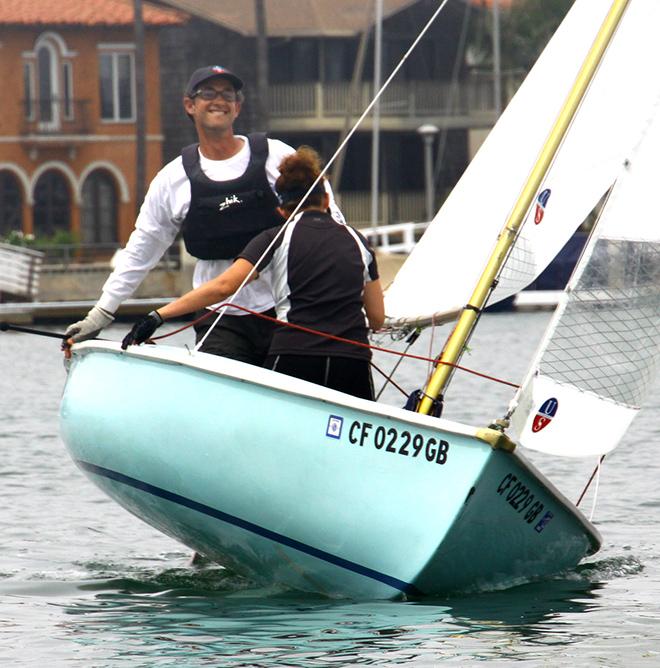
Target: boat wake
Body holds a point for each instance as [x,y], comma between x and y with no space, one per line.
[609,569]
[189,581]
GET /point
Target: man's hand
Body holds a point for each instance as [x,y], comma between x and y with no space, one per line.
[88,328]
[142,330]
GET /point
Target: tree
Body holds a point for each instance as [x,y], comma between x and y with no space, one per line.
[525,28]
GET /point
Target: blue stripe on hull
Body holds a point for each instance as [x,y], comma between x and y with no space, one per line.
[395,583]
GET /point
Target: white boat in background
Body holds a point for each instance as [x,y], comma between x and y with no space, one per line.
[291,483]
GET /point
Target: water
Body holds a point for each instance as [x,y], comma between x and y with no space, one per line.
[83,583]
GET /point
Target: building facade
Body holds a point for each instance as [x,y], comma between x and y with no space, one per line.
[68,127]
[316,89]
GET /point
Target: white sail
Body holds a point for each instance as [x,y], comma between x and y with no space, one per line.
[602,349]
[438,277]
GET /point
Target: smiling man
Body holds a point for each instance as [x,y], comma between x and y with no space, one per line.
[219,193]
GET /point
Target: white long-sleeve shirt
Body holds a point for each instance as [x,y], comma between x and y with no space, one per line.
[161,216]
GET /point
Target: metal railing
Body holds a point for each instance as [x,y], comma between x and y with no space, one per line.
[19,270]
[53,116]
[407,99]
[393,207]
[58,258]
[396,238]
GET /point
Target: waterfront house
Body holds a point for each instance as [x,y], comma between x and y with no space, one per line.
[317,85]
[68,121]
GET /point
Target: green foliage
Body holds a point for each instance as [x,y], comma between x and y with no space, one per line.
[525,29]
[59,238]
[17,238]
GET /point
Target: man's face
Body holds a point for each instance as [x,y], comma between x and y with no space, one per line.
[214,115]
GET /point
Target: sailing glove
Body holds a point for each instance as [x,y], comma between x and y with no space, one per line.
[89,328]
[142,330]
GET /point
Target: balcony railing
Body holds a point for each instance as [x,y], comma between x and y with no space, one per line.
[55,116]
[393,207]
[408,99]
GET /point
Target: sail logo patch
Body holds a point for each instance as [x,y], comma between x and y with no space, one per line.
[545,414]
[335,424]
[541,203]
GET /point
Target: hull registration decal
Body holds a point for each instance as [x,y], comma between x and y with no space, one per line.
[522,500]
[335,425]
[406,443]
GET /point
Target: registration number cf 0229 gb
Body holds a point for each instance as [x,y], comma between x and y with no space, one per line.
[520,497]
[406,443]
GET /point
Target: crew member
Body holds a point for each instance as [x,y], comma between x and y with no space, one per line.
[219,194]
[324,277]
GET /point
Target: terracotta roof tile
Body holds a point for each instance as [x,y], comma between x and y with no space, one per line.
[83,12]
[285,18]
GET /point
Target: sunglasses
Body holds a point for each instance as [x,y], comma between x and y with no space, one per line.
[209,94]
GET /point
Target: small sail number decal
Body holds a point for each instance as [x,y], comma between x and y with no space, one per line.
[335,425]
[545,414]
[541,203]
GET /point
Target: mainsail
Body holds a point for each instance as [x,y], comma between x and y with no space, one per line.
[437,279]
[601,352]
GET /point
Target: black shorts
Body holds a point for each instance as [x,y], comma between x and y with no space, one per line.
[345,374]
[245,338]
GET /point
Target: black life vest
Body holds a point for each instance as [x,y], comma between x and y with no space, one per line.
[225,215]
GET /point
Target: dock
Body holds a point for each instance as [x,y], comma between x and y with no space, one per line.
[21,313]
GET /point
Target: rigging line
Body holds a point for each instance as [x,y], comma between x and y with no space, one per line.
[327,166]
[586,487]
[593,505]
[388,378]
[332,337]
[429,367]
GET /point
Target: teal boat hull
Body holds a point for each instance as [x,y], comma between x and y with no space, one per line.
[289,483]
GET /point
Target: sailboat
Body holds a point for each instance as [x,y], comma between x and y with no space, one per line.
[294,484]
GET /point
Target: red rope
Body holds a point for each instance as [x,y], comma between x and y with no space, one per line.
[584,491]
[316,332]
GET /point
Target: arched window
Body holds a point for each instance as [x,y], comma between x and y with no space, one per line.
[48,82]
[11,204]
[52,204]
[99,209]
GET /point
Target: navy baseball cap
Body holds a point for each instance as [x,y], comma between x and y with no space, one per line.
[203,73]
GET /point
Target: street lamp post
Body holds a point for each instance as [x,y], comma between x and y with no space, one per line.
[428,133]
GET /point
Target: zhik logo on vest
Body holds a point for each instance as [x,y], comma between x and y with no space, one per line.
[230,200]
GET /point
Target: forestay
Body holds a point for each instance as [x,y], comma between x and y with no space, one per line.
[602,349]
[438,277]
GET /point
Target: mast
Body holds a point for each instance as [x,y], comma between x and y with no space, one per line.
[497,69]
[470,314]
[140,106]
[375,130]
